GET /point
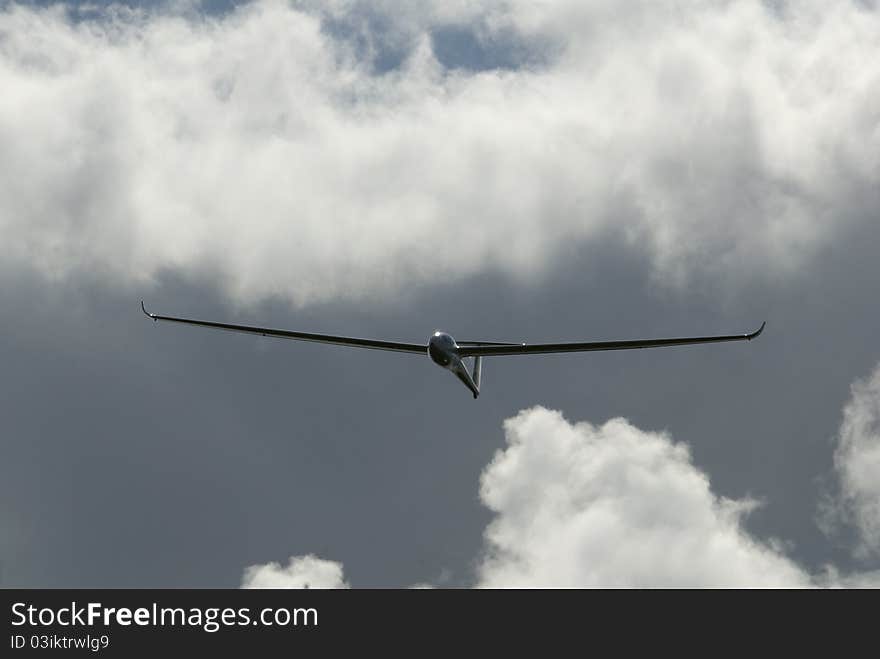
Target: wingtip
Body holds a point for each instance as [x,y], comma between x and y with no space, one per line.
[758,332]
[144,309]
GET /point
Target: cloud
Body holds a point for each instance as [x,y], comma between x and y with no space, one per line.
[301,572]
[857,465]
[580,505]
[832,578]
[286,151]
[307,571]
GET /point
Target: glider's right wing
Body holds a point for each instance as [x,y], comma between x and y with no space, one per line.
[488,349]
[372,344]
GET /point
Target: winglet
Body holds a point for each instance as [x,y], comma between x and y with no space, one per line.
[754,335]
[147,313]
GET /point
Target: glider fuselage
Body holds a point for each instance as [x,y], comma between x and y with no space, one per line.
[443,351]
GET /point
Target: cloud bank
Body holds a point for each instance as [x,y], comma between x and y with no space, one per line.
[334,150]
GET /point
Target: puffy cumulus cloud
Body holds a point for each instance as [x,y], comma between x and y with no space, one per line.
[301,572]
[271,150]
[857,465]
[581,505]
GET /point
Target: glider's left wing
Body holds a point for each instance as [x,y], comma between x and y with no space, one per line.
[300,336]
[544,348]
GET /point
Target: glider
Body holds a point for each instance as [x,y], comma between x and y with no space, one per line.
[450,354]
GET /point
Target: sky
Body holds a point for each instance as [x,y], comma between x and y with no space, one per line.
[510,171]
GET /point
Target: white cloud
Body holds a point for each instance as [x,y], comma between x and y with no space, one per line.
[857,464]
[301,572]
[581,505]
[258,150]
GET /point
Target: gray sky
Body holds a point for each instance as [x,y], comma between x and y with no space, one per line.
[386,192]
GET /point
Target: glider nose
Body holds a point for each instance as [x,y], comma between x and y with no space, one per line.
[443,350]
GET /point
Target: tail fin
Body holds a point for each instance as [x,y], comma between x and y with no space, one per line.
[477,371]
